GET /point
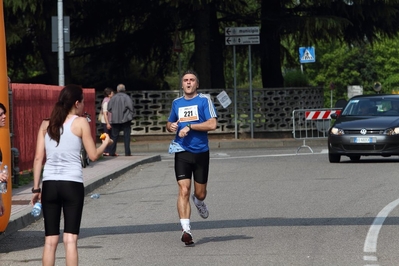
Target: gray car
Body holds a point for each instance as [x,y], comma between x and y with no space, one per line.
[367,125]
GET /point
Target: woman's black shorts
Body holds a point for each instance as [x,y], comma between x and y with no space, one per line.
[62,195]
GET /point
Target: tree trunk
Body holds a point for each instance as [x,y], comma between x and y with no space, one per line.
[49,58]
[202,61]
[270,44]
[216,52]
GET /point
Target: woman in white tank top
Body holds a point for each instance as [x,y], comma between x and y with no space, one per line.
[60,139]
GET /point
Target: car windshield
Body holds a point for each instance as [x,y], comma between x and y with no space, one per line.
[372,107]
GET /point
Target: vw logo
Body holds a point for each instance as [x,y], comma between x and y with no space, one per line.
[363,131]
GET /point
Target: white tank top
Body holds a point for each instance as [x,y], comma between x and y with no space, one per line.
[63,161]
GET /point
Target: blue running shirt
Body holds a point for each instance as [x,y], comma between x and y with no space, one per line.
[193,111]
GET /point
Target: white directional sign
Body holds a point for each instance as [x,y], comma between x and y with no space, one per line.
[241,31]
[242,40]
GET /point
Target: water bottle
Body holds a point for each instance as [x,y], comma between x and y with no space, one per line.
[37,209]
[3,185]
[95,196]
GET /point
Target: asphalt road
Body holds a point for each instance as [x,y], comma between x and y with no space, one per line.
[267,207]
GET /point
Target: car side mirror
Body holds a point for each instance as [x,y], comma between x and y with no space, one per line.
[334,116]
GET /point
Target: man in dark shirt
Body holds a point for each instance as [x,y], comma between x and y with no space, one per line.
[121,108]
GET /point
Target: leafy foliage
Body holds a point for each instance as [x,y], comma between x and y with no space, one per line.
[341,65]
[131,41]
[295,79]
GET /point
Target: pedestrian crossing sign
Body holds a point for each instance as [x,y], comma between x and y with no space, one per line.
[307,55]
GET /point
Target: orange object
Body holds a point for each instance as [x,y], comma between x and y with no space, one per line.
[5,141]
[103,136]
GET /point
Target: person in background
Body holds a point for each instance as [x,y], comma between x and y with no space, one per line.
[365,108]
[105,115]
[60,139]
[191,117]
[3,116]
[121,108]
[3,176]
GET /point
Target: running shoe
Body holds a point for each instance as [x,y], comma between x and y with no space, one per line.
[187,238]
[202,209]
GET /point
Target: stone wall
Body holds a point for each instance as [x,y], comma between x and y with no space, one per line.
[272,109]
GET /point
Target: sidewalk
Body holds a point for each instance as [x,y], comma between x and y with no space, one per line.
[94,175]
[100,172]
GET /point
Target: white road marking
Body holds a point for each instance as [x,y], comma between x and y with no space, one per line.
[370,244]
[262,156]
[222,154]
[225,156]
[370,258]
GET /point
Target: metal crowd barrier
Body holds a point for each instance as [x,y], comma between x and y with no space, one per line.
[311,124]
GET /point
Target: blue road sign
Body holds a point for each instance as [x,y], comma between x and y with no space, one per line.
[307,55]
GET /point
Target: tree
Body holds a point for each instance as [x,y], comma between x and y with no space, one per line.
[131,41]
[206,20]
[341,65]
[26,21]
[122,41]
[111,41]
[308,22]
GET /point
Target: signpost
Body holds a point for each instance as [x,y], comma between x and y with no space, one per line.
[61,75]
[354,90]
[242,36]
[54,34]
[306,55]
[224,99]
[242,40]
[332,87]
[242,31]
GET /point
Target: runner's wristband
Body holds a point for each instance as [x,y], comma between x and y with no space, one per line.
[38,190]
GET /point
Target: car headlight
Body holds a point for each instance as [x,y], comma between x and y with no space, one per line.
[392,131]
[337,131]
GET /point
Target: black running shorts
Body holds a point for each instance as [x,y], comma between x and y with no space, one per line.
[62,195]
[189,164]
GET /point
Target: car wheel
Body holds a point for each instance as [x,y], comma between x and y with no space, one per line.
[334,158]
[354,158]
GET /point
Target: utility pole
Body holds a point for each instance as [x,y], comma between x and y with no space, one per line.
[61,76]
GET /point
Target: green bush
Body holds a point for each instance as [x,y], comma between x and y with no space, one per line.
[391,84]
[295,79]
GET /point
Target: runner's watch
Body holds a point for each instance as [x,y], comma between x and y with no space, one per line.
[189,126]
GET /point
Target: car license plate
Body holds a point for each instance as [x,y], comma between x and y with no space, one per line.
[364,140]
